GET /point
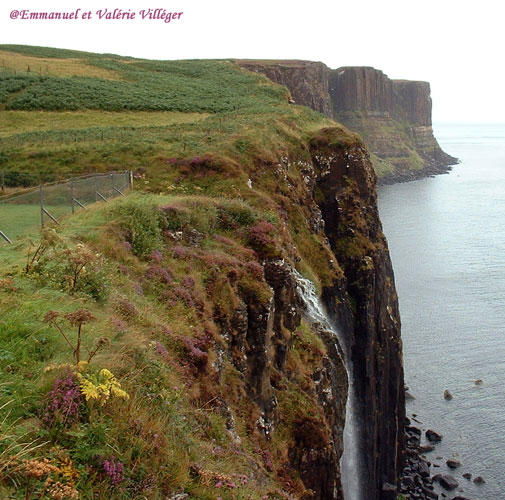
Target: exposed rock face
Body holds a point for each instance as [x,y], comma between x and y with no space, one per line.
[260,334]
[392,116]
[360,89]
[364,303]
[307,81]
[336,194]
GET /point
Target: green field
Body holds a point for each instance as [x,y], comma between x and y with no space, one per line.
[18,122]
[68,121]
[21,220]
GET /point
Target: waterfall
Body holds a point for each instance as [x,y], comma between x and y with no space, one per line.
[350,463]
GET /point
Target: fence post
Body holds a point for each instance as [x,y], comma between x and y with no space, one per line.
[3,180]
[72,193]
[130,178]
[96,188]
[41,206]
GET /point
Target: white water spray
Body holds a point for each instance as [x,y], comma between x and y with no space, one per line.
[350,463]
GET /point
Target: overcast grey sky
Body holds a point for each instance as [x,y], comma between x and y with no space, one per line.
[455,45]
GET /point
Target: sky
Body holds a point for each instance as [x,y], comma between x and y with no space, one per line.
[455,45]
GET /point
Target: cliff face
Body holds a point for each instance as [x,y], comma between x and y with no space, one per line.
[392,116]
[339,203]
[307,81]
[365,305]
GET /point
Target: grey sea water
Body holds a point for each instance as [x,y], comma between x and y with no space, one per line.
[447,241]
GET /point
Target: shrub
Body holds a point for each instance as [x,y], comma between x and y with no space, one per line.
[175,218]
[141,223]
[234,214]
[63,403]
[262,239]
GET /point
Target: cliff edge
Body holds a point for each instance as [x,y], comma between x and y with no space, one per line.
[231,311]
[392,116]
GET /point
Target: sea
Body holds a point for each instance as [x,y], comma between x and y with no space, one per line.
[446,236]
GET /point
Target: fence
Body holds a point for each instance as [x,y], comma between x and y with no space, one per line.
[31,209]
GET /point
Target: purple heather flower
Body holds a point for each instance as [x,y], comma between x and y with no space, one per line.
[114,469]
[62,402]
[156,256]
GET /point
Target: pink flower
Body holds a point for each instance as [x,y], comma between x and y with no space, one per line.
[219,484]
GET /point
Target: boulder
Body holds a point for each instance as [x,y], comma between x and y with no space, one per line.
[447,395]
[433,436]
[425,448]
[448,482]
[408,481]
[424,469]
[479,480]
[453,463]
[429,493]
[467,475]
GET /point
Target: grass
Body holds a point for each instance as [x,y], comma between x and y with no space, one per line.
[186,425]
[55,126]
[68,67]
[19,220]
[20,122]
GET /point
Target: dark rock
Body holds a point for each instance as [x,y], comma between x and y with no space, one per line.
[478,382]
[389,492]
[479,480]
[459,497]
[448,482]
[408,481]
[347,199]
[467,475]
[437,477]
[413,430]
[424,469]
[433,436]
[426,448]
[447,395]
[453,463]
[429,493]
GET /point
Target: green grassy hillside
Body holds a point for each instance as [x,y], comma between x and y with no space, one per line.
[135,116]
[145,287]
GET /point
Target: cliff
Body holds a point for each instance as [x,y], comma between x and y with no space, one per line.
[392,116]
[365,305]
[208,375]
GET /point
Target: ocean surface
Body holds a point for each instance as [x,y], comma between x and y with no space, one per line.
[447,241]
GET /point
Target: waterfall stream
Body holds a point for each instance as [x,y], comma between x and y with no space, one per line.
[350,465]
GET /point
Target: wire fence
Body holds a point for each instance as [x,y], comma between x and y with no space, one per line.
[28,211]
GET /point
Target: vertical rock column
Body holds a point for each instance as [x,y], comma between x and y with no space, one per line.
[365,305]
